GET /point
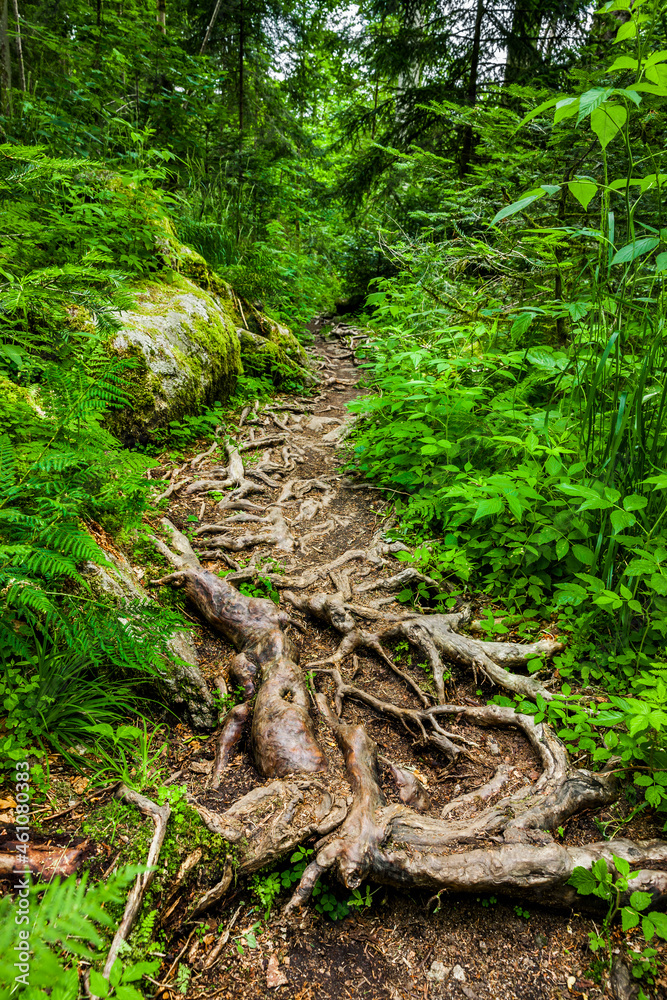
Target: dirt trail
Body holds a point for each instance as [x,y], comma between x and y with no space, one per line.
[381,787]
[295,513]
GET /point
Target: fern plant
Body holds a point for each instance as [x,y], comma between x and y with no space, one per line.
[48,937]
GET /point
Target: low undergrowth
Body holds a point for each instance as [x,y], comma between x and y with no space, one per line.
[519,426]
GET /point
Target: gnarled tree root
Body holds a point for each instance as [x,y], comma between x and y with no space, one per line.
[283,740]
[436,637]
[392,844]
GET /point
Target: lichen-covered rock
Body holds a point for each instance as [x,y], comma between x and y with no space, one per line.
[265,344]
[181,682]
[186,351]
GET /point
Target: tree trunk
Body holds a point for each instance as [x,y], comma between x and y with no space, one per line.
[19,46]
[211,25]
[522,41]
[471,96]
[6,78]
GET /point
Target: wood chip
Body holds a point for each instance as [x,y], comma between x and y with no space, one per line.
[274,974]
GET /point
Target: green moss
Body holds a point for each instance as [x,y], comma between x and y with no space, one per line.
[121,826]
[185,350]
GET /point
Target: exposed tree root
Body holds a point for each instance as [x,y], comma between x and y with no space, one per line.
[232,730]
[392,844]
[496,838]
[435,636]
[274,531]
[284,740]
[160,816]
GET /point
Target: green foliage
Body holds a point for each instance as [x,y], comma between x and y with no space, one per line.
[128,754]
[261,586]
[181,433]
[60,929]
[327,902]
[54,696]
[610,886]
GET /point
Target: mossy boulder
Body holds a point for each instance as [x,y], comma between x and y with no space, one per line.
[269,349]
[186,351]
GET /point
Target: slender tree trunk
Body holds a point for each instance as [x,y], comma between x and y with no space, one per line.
[211,25]
[522,41]
[6,76]
[19,46]
[471,96]
[376,90]
[161,16]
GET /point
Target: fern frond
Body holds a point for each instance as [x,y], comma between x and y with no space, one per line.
[7,460]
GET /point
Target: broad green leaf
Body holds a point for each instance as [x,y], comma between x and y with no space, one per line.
[659,584]
[621,865]
[562,547]
[488,507]
[648,928]
[128,993]
[650,88]
[115,973]
[634,502]
[584,191]
[622,519]
[640,900]
[623,182]
[623,62]
[591,100]
[660,923]
[656,57]
[631,251]
[13,354]
[99,986]
[661,263]
[607,121]
[515,506]
[583,554]
[521,324]
[627,30]
[578,310]
[657,75]
[629,918]
[566,108]
[583,881]
[651,180]
[516,206]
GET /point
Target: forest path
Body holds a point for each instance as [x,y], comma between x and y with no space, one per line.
[397,949]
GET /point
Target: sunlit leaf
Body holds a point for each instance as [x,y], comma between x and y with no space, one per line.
[607,121]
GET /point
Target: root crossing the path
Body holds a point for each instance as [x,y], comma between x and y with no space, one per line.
[339,665]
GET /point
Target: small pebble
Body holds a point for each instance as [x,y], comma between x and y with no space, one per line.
[438,972]
[458,974]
